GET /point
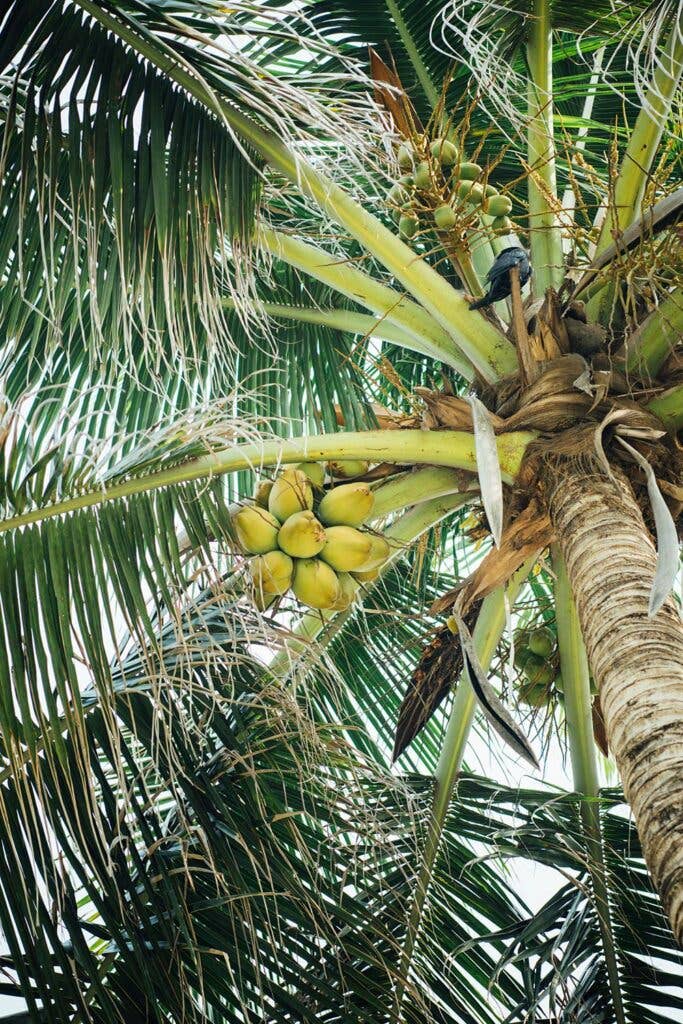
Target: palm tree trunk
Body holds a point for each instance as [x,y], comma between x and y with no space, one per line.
[637,661]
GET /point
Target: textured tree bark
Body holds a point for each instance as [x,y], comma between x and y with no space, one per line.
[636,661]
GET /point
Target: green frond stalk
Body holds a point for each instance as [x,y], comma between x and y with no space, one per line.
[669,408]
[544,231]
[429,338]
[649,347]
[415,487]
[341,320]
[490,352]
[577,708]
[448,448]
[642,146]
[486,636]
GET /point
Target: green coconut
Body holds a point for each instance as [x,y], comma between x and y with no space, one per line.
[469,172]
[408,225]
[541,641]
[445,217]
[423,175]
[499,206]
[444,151]
[406,157]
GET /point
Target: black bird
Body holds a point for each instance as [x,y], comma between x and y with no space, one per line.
[499,275]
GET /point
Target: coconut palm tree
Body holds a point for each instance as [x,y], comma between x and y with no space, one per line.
[234,238]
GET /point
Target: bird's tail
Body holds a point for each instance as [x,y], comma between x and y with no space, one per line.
[480,303]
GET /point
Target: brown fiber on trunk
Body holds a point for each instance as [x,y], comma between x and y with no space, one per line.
[637,661]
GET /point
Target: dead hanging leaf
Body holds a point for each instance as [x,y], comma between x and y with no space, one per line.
[526,536]
[667,537]
[434,677]
[550,332]
[494,709]
[390,94]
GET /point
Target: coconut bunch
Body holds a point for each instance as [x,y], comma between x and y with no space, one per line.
[537,658]
[308,538]
[436,181]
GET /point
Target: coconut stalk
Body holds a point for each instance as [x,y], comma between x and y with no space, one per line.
[648,348]
[544,231]
[429,338]
[449,448]
[344,320]
[641,150]
[639,156]
[578,714]
[486,635]
[486,347]
[636,660]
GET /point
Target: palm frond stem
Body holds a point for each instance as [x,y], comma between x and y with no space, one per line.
[450,448]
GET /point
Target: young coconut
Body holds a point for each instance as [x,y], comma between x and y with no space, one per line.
[405,157]
[445,151]
[315,583]
[408,225]
[292,492]
[256,529]
[348,588]
[346,548]
[271,573]
[539,672]
[533,694]
[315,471]
[366,577]
[499,206]
[501,225]
[423,175]
[444,217]
[379,552]
[346,505]
[541,641]
[348,468]
[302,536]
[469,172]
[262,493]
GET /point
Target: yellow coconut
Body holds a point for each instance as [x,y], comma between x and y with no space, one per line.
[366,577]
[292,492]
[379,552]
[315,471]
[346,505]
[348,468]
[315,583]
[346,548]
[271,573]
[262,493]
[256,529]
[348,588]
[302,535]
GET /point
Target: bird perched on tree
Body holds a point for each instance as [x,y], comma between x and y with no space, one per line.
[499,275]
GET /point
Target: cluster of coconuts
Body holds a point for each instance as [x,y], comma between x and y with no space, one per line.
[437,168]
[537,659]
[309,539]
